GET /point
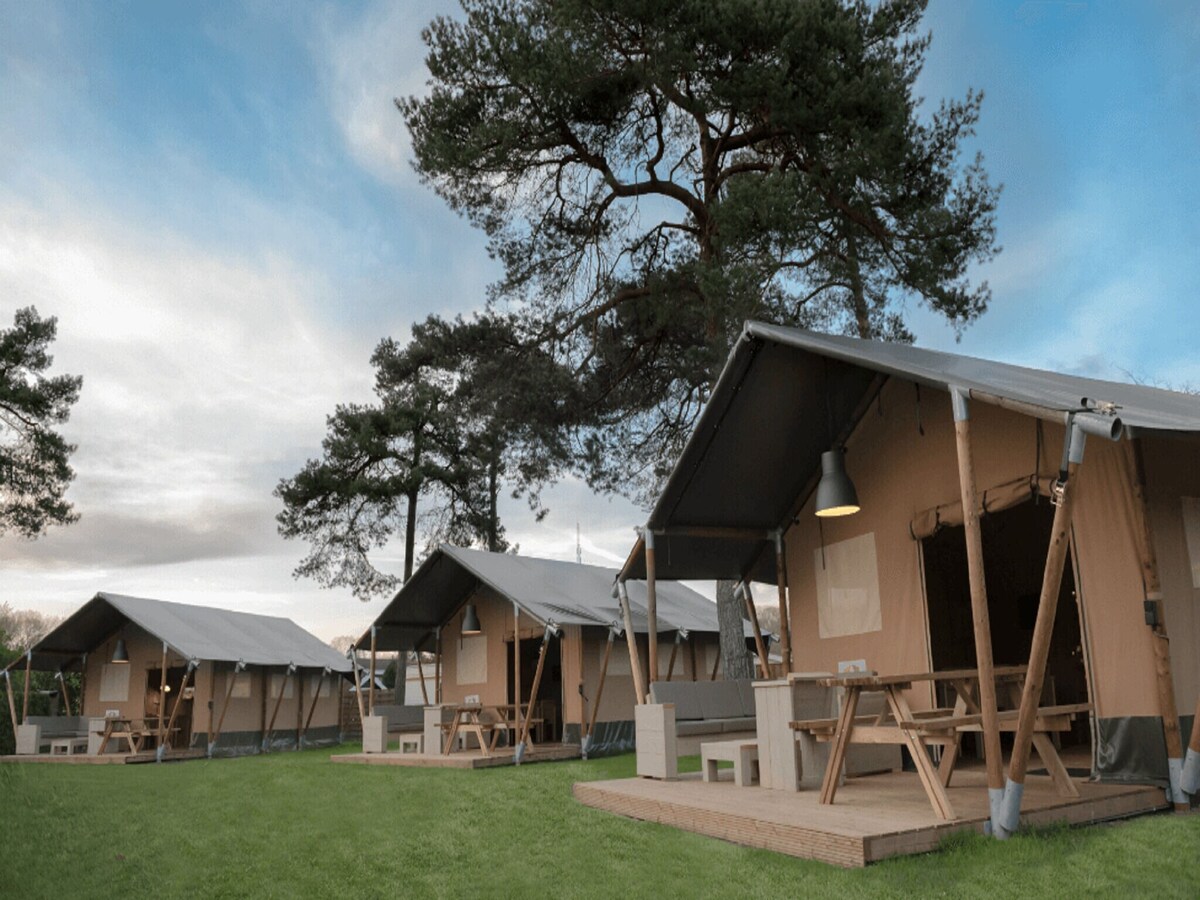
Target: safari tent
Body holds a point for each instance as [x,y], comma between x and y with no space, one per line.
[466,606]
[166,679]
[1098,479]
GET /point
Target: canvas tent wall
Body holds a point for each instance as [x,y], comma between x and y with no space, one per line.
[242,664]
[786,395]
[575,598]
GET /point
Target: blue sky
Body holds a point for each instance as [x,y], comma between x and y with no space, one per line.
[215,199]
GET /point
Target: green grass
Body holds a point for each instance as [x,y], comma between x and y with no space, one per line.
[296,825]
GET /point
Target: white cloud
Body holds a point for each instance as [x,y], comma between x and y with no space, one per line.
[368,62]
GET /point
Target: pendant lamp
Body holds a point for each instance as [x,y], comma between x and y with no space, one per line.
[120,654]
[835,492]
[470,623]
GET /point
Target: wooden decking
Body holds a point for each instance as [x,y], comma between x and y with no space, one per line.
[108,759]
[464,759]
[874,817]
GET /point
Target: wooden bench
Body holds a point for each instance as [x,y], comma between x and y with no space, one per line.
[743,755]
[67,746]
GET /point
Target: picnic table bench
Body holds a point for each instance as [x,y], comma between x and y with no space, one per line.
[944,727]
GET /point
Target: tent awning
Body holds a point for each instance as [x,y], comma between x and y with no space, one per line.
[787,394]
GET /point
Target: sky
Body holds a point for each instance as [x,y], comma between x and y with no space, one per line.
[216,202]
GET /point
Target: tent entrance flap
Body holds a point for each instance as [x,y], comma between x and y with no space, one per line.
[1014,542]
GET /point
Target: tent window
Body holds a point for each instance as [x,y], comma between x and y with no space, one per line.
[321,684]
[114,683]
[241,686]
[472,660]
[847,587]
[1191,528]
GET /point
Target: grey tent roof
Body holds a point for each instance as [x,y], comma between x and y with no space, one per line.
[548,590]
[196,632]
[787,394]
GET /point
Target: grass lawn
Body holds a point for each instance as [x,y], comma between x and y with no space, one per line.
[296,825]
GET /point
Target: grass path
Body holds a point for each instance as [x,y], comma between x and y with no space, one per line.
[296,825]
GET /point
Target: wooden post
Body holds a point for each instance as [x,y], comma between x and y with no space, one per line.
[62,679]
[674,651]
[178,700]
[537,682]
[651,608]
[300,707]
[692,654]
[1043,630]
[517,667]
[635,664]
[763,662]
[612,633]
[785,625]
[82,682]
[371,688]
[232,677]
[716,664]
[437,665]
[421,672]
[358,690]
[12,705]
[316,696]
[162,697]
[979,606]
[278,703]
[1152,587]
[25,689]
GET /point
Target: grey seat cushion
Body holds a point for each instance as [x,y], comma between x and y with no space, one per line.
[741,723]
[684,694]
[746,692]
[720,700]
[697,727]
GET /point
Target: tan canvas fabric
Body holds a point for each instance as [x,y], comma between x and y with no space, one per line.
[907,481]
[1171,475]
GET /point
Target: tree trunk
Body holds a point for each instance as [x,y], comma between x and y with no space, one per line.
[735,658]
[862,315]
[493,524]
[410,533]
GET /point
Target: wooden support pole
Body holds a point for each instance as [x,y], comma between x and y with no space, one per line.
[537,683]
[692,655]
[62,679]
[517,666]
[608,645]
[674,652]
[231,679]
[12,705]
[421,672]
[315,697]
[716,664]
[651,607]
[764,663]
[1152,587]
[187,675]
[785,625]
[635,664]
[25,689]
[162,697]
[82,682]
[979,605]
[371,688]
[1043,630]
[278,703]
[437,666]
[300,707]
[358,690]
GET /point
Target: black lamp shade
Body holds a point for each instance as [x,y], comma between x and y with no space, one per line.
[120,654]
[835,493]
[471,621]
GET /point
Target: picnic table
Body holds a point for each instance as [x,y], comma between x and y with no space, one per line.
[133,731]
[486,722]
[899,724]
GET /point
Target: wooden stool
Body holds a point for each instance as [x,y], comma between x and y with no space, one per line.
[743,755]
[412,743]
